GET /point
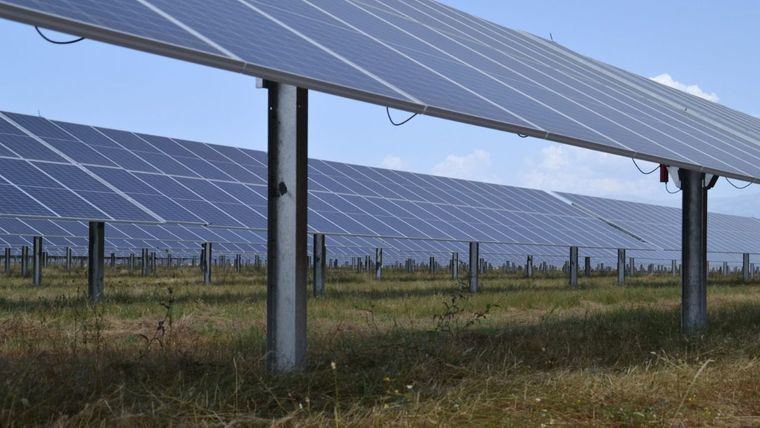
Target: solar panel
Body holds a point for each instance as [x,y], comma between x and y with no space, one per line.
[422,56]
[661,225]
[343,199]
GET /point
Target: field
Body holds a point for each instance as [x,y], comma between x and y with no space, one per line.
[408,350]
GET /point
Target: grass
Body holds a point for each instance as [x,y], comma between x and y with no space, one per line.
[407,350]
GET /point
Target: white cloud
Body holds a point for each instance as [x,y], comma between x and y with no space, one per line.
[570,169]
[472,166]
[393,162]
[667,80]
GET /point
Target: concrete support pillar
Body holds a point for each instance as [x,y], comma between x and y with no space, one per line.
[7,261]
[207,262]
[96,260]
[529,267]
[621,267]
[320,253]
[474,268]
[378,263]
[632,266]
[431,265]
[25,261]
[746,272]
[37,261]
[694,252]
[286,231]
[673,267]
[573,267]
[113,260]
[455,265]
[587,266]
[69,256]
[153,261]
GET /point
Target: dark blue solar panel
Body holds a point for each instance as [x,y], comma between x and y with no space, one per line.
[38,126]
[126,17]
[79,152]
[28,148]
[65,204]
[12,226]
[86,134]
[73,177]
[126,159]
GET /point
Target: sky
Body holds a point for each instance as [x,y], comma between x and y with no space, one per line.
[707,48]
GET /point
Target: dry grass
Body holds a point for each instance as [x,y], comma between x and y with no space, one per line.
[541,353]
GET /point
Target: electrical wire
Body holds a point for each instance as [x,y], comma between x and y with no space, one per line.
[388,112]
[522,135]
[667,189]
[642,171]
[57,42]
[738,187]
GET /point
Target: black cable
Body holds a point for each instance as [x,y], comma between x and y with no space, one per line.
[388,112]
[57,42]
[737,187]
[522,135]
[642,171]
[668,190]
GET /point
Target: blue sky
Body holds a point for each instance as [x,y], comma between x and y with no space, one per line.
[708,44]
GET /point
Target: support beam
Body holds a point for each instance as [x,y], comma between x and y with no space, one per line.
[113,260]
[96,260]
[587,266]
[319,253]
[529,267]
[694,252]
[574,267]
[474,266]
[286,231]
[674,267]
[378,263]
[621,267]
[207,262]
[746,273]
[69,257]
[37,261]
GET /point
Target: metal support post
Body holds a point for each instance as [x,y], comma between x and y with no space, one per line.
[529,267]
[207,262]
[574,267]
[7,261]
[286,231]
[474,268]
[455,265]
[320,252]
[37,261]
[96,260]
[621,267]
[745,267]
[587,266]
[378,263]
[25,261]
[694,252]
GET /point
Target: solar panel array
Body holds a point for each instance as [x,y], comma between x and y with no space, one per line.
[202,192]
[223,187]
[661,225]
[426,57]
